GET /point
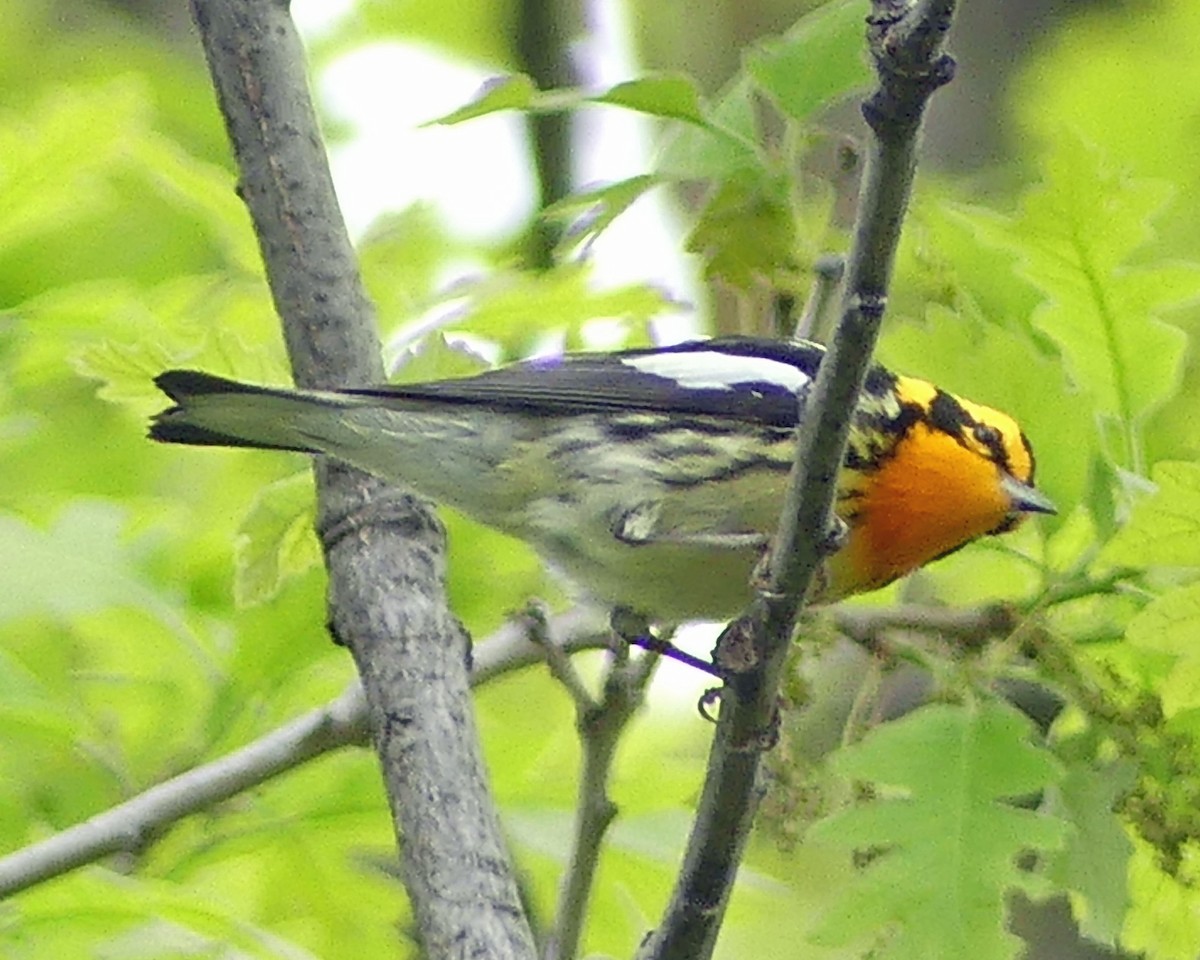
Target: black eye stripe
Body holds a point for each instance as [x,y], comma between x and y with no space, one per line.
[945,413]
[988,435]
[1032,461]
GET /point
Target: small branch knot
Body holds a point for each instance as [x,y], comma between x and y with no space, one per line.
[906,41]
[353,518]
[870,306]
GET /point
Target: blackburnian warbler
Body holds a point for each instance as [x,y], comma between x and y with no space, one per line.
[652,478]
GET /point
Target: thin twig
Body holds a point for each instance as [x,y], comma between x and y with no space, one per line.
[559,662]
[130,825]
[865,625]
[1078,587]
[337,724]
[817,320]
[600,727]
[905,42]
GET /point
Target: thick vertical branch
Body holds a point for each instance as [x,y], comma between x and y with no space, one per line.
[905,40]
[384,550]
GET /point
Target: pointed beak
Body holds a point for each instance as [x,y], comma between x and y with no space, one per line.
[1025,499]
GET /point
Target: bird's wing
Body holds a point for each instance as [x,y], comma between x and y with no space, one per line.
[760,381]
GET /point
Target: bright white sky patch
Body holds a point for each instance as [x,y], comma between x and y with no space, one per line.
[709,370]
[316,17]
[478,175]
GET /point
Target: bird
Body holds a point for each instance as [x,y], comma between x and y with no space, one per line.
[653,478]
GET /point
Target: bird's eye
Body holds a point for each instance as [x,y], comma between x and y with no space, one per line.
[987,435]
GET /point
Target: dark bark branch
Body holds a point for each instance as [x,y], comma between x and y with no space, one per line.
[384,549]
[905,41]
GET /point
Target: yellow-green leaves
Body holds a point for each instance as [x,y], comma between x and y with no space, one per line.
[1094,861]
[81,550]
[1164,528]
[514,307]
[939,843]
[275,540]
[1074,240]
[669,96]
[747,231]
[818,60]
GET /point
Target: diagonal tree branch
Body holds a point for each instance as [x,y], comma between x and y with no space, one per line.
[905,40]
[384,549]
[340,723]
[139,820]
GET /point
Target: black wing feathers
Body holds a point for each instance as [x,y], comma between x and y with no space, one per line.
[727,381]
[608,383]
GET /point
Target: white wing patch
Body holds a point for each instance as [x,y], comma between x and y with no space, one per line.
[710,370]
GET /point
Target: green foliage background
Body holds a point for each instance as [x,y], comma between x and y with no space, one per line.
[159,608]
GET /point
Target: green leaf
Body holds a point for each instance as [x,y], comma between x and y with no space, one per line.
[514,92]
[1094,863]
[1087,76]
[55,169]
[123,335]
[818,60]
[1170,625]
[145,914]
[512,307]
[593,211]
[943,835]
[1164,922]
[673,96]
[275,541]
[1073,238]
[80,565]
[432,357]
[206,190]
[727,145]
[126,372]
[747,231]
[1164,529]
[401,259]
[512,574]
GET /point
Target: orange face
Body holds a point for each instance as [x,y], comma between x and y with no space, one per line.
[935,492]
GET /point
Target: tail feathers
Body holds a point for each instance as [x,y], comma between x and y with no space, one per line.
[203,401]
[182,385]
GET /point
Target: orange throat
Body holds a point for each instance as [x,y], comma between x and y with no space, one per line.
[930,497]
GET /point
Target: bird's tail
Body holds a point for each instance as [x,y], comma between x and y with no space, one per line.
[449,456]
[213,411]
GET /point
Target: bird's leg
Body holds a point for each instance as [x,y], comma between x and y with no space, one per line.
[634,629]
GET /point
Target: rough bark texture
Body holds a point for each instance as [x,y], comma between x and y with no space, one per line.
[384,548]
